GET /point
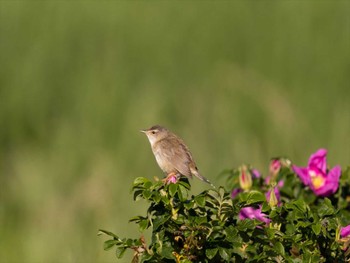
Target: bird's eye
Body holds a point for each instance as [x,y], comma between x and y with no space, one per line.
[153,132]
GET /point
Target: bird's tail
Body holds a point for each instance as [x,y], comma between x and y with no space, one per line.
[202,178]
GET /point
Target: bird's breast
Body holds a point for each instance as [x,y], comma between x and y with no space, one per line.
[163,160]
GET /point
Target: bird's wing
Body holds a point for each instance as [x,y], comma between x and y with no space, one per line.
[181,158]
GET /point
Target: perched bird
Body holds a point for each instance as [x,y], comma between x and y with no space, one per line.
[172,154]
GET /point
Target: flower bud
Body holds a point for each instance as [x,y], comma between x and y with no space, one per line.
[273,201]
[275,166]
[245,178]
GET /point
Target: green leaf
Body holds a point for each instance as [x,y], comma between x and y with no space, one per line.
[326,208]
[167,251]
[110,243]
[108,233]
[245,224]
[316,228]
[138,194]
[188,205]
[183,193]
[231,233]
[136,219]
[279,248]
[147,194]
[200,200]
[140,180]
[185,184]
[201,220]
[120,251]
[252,197]
[147,185]
[224,255]
[172,189]
[298,204]
[159,221]
[210,253]
[143,224]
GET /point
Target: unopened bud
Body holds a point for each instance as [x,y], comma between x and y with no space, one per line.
[245,178]
[273,201]
[275,166]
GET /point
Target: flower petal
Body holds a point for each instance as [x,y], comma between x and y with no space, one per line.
[302,173]
[345,231]
[319,160]
[253,213]
[332,183]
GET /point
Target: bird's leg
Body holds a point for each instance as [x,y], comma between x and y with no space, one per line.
[171,178]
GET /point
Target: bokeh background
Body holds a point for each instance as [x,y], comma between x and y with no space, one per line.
[241,82]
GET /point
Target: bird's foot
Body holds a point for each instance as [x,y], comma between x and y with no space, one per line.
[171,178]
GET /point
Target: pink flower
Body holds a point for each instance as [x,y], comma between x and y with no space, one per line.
[253,213]
[345,231]
[256,173]
[316,176]
[172,179]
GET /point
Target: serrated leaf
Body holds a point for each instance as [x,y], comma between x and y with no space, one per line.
[211,253]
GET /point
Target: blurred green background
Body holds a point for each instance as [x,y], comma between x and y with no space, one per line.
[239,81]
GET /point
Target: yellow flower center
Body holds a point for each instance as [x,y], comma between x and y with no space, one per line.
[317,180]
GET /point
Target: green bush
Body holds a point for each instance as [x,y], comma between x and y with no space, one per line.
[254,219]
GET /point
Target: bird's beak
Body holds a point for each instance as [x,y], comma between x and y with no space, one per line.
[143,131]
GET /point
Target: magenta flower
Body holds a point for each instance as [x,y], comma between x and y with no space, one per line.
[253,213]
[172,179]
[316,176]
[345,231]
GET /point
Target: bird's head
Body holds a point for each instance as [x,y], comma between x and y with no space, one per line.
[156,133]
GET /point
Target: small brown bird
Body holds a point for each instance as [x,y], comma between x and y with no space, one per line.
[172,154]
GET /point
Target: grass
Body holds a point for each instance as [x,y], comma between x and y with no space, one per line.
[239,81]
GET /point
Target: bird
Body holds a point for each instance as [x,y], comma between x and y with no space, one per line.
[172,155]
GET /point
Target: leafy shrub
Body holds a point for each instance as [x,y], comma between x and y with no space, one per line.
[277,218]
